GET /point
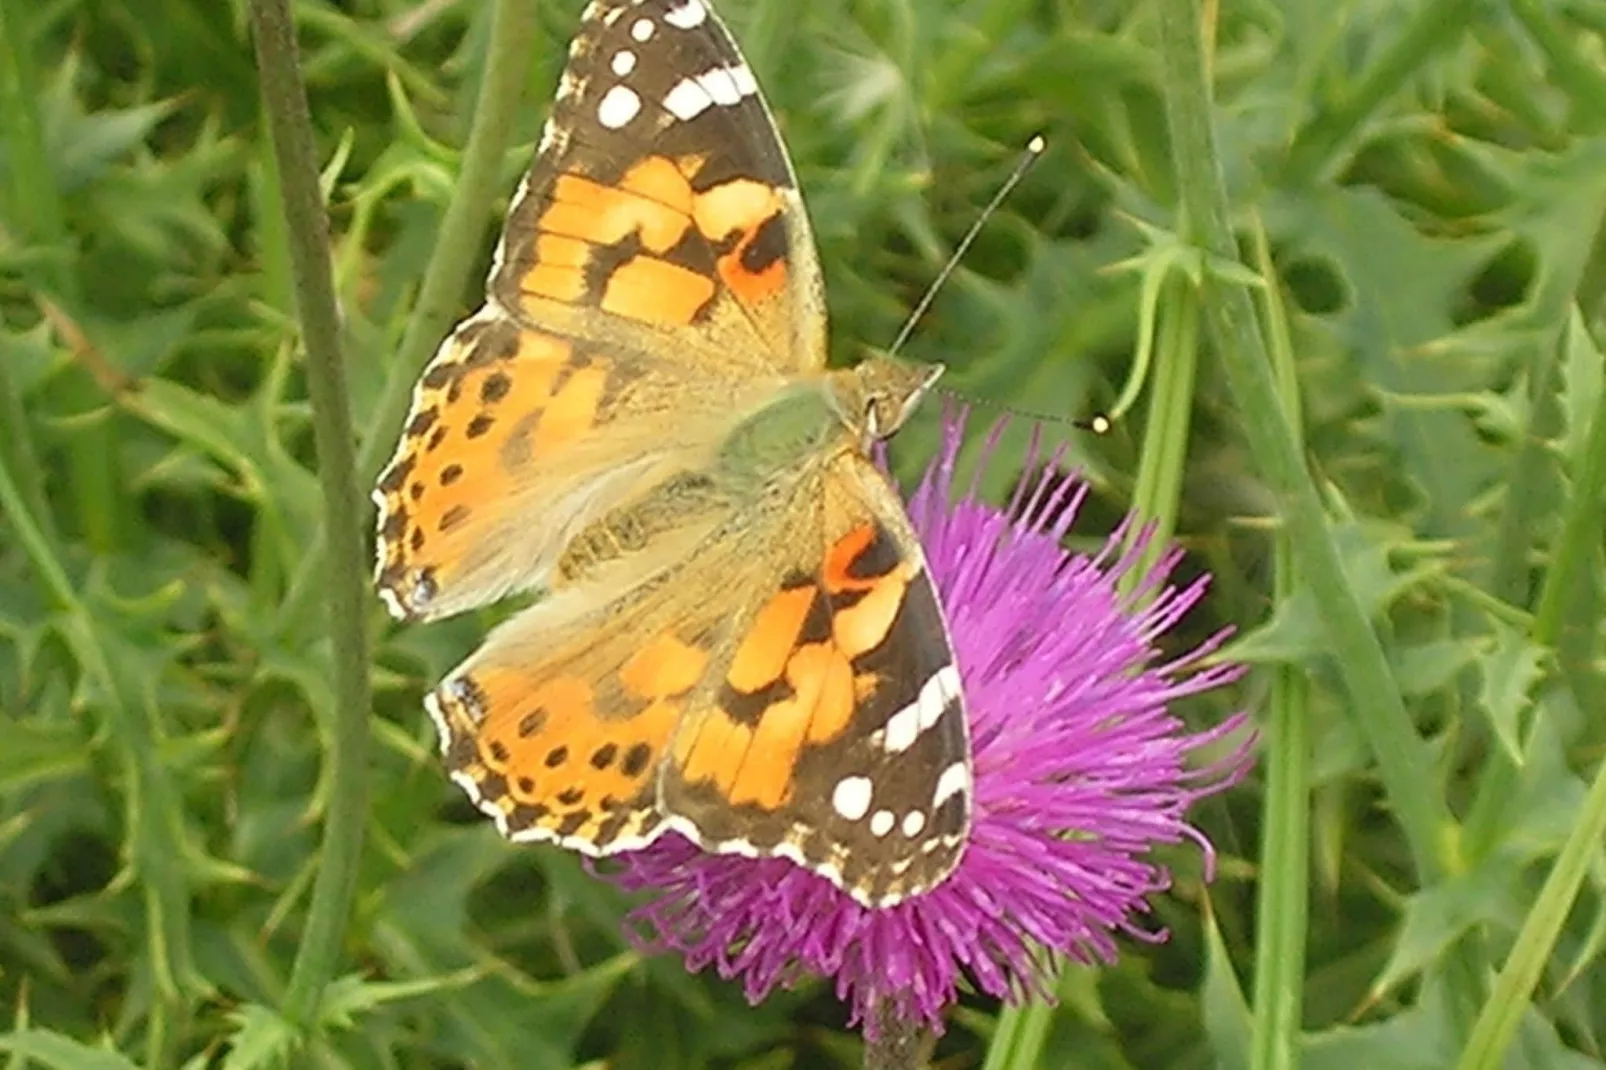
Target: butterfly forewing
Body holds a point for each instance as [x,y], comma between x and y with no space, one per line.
[662,196]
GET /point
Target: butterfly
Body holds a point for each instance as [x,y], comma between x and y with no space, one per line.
[735,636]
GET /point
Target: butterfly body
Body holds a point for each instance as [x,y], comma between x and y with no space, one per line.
[736,638]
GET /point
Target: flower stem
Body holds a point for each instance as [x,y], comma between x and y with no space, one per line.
[899,1044]
[1282,914]
[513,25]
[285,99]
[1375,705]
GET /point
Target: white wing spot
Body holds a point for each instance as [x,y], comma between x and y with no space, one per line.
[902,728]
[624,61]
[905,726]
[641,29]
[881,823]
[687,16]
[851,797]
[687,100]
[619,105]
[954,780]
[913,822]
[720,84]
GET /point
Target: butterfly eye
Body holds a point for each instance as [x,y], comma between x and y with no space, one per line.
[873,417]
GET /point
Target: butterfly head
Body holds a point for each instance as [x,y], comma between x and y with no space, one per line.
[877,396]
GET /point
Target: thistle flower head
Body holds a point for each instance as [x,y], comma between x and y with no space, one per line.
[1080,772]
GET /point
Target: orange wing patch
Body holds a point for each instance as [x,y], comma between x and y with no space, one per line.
[562,757]
[747,217]
[654,249]
[495,400]
[792,683]
[654,290]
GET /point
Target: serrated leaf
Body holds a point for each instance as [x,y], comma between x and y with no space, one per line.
[347,998]
[1507,676]
[63,1053]
[262,1038]
[1438,916]
[1295,632]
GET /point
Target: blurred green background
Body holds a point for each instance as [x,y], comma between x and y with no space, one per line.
[1417,187]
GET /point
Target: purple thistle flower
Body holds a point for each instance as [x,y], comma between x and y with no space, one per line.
[1079,772]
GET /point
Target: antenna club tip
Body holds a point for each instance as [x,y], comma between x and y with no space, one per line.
[1036,145]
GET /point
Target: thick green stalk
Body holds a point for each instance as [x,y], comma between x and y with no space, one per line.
[1403,760]
[1157,494]
[285,100]
[513,26]
[1282,913]
[899,1045]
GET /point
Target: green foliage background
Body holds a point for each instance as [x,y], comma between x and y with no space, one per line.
[1417,188]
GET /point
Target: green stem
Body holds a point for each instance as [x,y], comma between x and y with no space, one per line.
[285,99]
[1403,761]
[1156,495]
[1018,1040]
[1402,758]
[1437,24]
[1282,914]
[898,1045]
[1171,317]
[513,27]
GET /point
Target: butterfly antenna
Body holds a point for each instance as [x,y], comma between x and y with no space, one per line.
[1034,149]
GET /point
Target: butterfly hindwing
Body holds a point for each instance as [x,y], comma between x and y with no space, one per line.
[833,730]
[811,711]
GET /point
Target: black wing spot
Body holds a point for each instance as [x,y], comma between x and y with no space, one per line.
[636,759]
[422,423]
[767,245]
[495,387]
[452,518]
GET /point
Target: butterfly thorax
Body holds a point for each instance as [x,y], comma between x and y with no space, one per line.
[853,407]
